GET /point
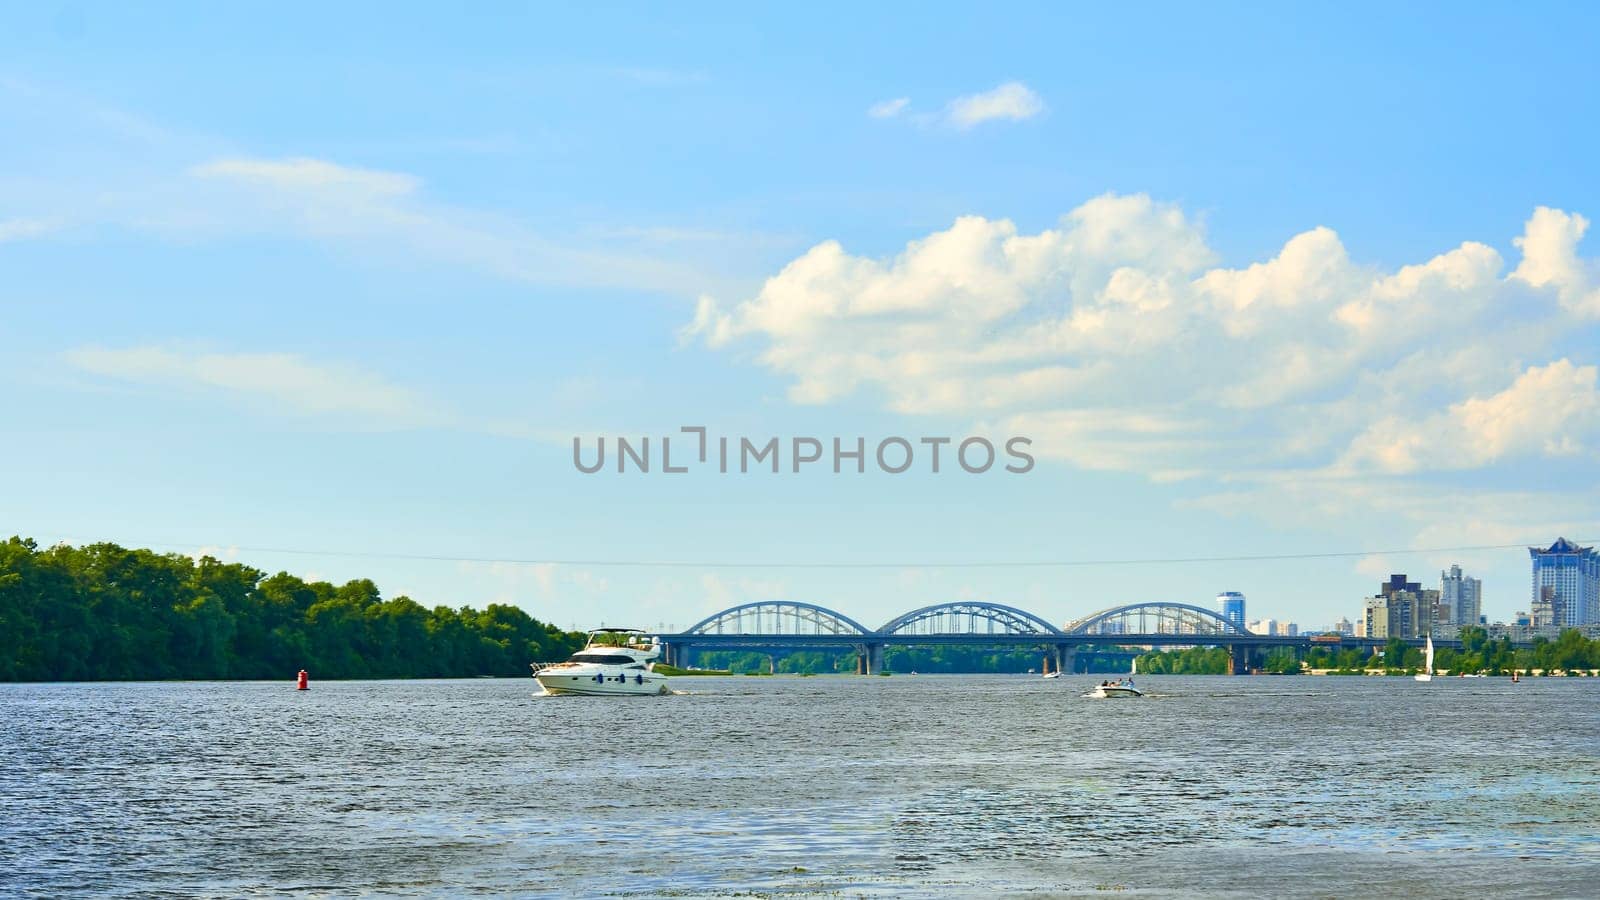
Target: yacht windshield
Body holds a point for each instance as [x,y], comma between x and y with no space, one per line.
[608,659]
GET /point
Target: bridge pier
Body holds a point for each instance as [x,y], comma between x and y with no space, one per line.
[869,659]
[1066,658]
[1242,658]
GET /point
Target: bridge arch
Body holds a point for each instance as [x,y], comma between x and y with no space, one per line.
[777,617]
[963,617]
[1156,617]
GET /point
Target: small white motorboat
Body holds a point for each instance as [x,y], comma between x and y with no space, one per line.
[615,662]
[1122,687]
[1105,690]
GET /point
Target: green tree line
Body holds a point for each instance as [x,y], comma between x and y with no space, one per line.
[1570,652]
[103,612]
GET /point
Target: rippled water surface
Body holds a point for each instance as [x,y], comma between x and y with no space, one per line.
[912,786]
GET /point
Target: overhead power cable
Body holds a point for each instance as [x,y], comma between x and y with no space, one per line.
[838,564]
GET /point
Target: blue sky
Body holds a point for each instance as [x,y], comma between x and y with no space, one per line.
[1256,281]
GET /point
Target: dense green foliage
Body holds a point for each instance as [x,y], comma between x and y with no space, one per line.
[801,661]
[105,612]
[1193,661]
[1569,653]
[1477,654]
[1213,661]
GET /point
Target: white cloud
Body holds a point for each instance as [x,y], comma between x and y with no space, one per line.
[22,229]
[1118,343]
[1115,439]
[283,380]
[720,593]
[1376,566]
[549,591]
[544,579]
[221,554]
[192,187]
[301,174]
[1549,247]
[888,109]
[1012,101]
[1551,410]
[1435,514]
[388,212]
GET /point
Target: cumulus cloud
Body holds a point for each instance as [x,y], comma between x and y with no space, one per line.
[1551,410]
[1549,247]
[1012,101]
[282,380]
[1116,339]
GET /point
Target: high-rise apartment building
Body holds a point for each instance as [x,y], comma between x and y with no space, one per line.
[1230,604]
[1375,617]
[1460,597]
[1400,609]
[1566,584]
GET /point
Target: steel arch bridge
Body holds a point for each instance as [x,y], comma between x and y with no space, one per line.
[969,618]
[772,626]
[778,617]
[1156,618]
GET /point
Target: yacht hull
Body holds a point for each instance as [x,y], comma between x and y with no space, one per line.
[631,685]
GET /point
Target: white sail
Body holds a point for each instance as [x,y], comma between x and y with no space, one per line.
[1427,662]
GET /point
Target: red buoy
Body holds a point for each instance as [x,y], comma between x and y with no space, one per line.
[302,683]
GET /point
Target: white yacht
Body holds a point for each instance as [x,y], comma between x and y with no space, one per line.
[616,661]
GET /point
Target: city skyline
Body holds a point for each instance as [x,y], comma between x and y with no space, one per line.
[1280,293]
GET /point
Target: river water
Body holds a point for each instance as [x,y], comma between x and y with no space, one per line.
[918,786]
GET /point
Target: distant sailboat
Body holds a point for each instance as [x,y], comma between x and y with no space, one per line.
[1427,661]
